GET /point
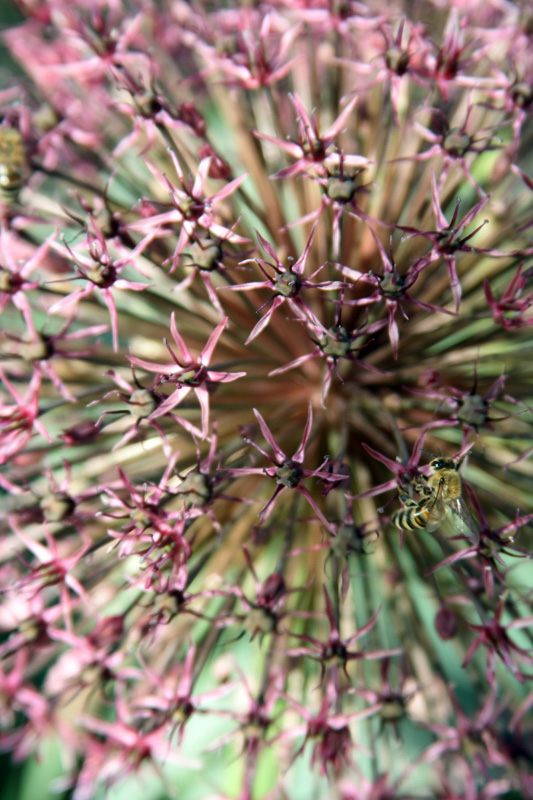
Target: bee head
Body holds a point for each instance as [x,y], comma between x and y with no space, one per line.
[438,464]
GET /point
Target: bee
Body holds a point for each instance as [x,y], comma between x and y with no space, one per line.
[440,490]
[12,164]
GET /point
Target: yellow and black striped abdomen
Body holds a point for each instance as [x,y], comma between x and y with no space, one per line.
[12,164]
[412,517]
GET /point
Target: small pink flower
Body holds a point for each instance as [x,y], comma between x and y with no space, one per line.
[189,373]
[287,283]
[18,421]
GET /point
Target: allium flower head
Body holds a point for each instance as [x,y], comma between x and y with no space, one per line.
[266,398]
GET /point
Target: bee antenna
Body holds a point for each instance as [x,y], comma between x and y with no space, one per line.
[429,452]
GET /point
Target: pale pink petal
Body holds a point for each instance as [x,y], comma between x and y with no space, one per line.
[263,322]
[302,113]
[300,453]
[110,303]
[295,363]
[442,222]
[299,266]
[340,122]
[280,456]
[185,353]
[291,148]
[130,285]
[228,189]
[206,279]
[65,303]
[93,330]
[201,177]
[247,287]
[171,402]
[203,398]
[224,377]
[207,353]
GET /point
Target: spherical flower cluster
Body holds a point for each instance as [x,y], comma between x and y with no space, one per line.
[266,402]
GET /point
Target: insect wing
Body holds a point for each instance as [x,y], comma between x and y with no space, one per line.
[462,522]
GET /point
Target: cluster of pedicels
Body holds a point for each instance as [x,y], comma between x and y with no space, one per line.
[260,262]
